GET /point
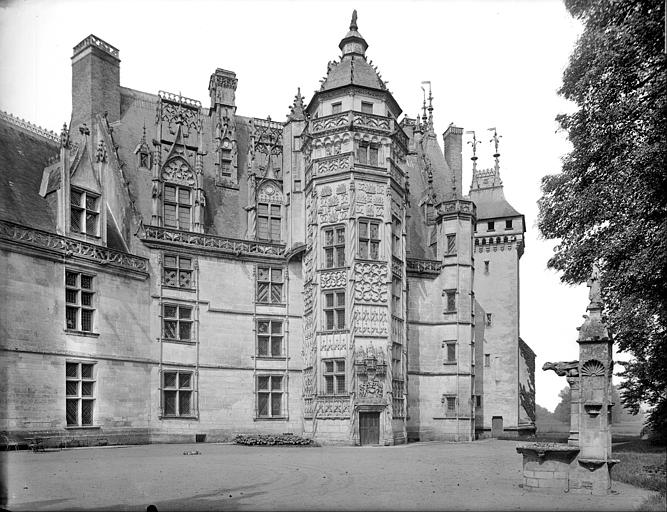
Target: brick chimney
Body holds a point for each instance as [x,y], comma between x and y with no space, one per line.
[453,142]
[95,81]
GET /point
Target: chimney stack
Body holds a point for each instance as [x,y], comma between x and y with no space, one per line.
[453,142]
[95,81]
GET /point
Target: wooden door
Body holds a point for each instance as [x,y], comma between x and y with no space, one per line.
[496,426]
[369,427]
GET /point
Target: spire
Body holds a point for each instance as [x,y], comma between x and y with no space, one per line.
[297,110]
[429,120]
[353,42]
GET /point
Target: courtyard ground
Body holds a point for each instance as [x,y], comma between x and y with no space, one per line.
[484,475]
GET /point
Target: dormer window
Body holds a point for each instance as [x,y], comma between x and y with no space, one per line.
[84,212]
[367,107]
[177,207]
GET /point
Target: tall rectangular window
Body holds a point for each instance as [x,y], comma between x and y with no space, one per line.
[508,224]
[177,271]
[396,294]
[369,239]
[487,360]
[450,406]
[491,226]
[398,402]
[334,377]
[450,351]
[177,393]
[177,322]
[336,107]
[396,368]
[177,207]
[270,396]
[368,153]
[270,285]
[451,300]
[396,247]
[80,393]
[268,221]
[367,107]
[269,338]
[79,298]
[451,244]
[334,247]
[334,310]
[84,212]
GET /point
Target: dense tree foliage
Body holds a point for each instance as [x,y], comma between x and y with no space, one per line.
[609,204]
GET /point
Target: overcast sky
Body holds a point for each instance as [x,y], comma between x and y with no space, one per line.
[491,63]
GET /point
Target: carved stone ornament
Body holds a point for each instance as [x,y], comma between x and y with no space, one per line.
[592,368]
[371,388]
[371,282]
[333,207]
[370,199]
[270,193]
[178,171]
[371,321]
[329,280]
[563,368]
[332,408]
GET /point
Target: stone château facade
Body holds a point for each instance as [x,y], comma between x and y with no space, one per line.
[174,271]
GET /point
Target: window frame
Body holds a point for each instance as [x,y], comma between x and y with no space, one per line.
[178,389]
[177,205]
[270,284]
[270,392]
[368,153]
[450,412]
[450,248]
[335,309]
[367,107]
[336,248]
[487,360]
[336,107]
[79,396]
[83,211]
[179,321]
[398,397]
[270,219]
[508,224]
[178,271]
[397,296]
[396,237]
[451,301]
[447,345]
[335,376]
[270,335]
[79,307]
[491,225]
[367,238]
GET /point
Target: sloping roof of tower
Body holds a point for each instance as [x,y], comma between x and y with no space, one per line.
[24,153]
[352,70]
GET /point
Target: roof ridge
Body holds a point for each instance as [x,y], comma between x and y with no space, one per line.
[30,127]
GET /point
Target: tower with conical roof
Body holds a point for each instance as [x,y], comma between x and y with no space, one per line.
[354,264]
[504,362]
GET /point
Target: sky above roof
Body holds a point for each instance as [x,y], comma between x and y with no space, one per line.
[490,63]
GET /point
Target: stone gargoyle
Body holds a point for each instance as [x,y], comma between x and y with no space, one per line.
[563,368]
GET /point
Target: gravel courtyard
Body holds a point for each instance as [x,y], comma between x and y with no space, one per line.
[484,475]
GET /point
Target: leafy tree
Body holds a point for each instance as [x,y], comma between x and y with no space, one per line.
[562,410]
[609,204]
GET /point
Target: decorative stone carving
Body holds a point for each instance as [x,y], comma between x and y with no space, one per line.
[333,341]
[370,199]
[270,193]
[333,207]
[211,242]
[371,321]
[371,121]
[563,368]
[592,368]
[329,122]
[308,297]
[370,282]
[330,407]
[417,266]
[329,280]
[308,382]
[70,247]
[178,171]
[334,164]
[179,110]
[371,388]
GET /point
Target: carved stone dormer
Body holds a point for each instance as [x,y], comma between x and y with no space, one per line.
[177,190]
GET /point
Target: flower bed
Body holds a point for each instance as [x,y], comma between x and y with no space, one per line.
[272,439]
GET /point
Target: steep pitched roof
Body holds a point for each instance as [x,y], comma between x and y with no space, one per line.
[24,152]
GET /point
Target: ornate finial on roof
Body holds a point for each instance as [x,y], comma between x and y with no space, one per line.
[353,22]
[297,110]
[474,143]
[495,140]
[429,126]
[64,136]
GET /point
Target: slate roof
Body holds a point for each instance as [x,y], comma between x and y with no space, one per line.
[352,70]
[491,204]
[23,156]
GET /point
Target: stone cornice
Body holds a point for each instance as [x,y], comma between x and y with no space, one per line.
[423,268]
[160,237]
[66,247]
